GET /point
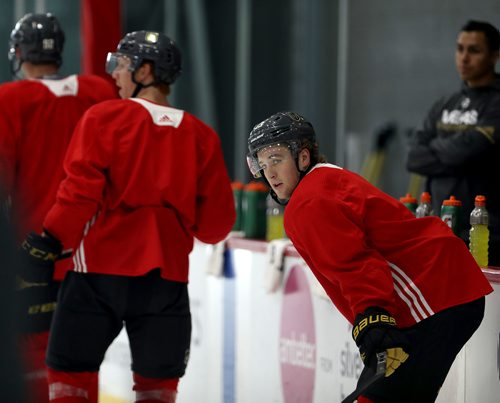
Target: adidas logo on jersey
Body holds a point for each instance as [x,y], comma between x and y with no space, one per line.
[164,118]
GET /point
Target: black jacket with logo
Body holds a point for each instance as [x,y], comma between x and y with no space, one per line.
[458,150]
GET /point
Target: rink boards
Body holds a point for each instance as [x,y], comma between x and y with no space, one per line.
[287,346]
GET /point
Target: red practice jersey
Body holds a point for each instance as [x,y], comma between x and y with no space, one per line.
[142,181]
[37,119]
[367,249]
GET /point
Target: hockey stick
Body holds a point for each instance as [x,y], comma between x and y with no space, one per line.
[379,373]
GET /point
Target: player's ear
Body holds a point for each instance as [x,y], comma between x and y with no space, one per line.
[145,73]
[304,159]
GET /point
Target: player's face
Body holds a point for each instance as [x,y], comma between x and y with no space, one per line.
[280,169]
[123,77]
[474,60]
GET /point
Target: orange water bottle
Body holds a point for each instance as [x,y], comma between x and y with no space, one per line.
[410,202]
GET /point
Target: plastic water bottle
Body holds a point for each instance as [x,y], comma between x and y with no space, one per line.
[479,232]
[254,210]
[410,202]
[424,208]
[274,228]
[238,201]
[450,213]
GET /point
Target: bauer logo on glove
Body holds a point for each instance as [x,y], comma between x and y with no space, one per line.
[375,331]
[371,319]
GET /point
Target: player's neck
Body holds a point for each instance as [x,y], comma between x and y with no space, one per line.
[153,94]
[39,70]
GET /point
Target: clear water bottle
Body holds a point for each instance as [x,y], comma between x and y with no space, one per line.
[479,232]
[424,208]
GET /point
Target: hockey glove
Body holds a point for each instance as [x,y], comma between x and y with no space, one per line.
[375,331]
[37,256]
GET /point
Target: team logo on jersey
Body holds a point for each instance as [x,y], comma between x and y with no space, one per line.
[297,344]
[459,117]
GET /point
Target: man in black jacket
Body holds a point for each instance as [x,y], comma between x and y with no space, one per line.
[458,148]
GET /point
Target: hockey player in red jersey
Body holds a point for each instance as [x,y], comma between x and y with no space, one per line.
[408,285]
[142,180]
[37,116]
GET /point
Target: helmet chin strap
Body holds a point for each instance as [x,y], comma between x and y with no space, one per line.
[273,194]
[275,197]
[139,86]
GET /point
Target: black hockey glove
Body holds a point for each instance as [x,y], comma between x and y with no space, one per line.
[37,256]
[375,331]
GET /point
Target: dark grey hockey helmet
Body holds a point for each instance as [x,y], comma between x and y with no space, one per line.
[156,47]
[283,128]
[39,39]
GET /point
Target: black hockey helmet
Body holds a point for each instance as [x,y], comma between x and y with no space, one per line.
[39,38]
[283,128]
[156,47]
